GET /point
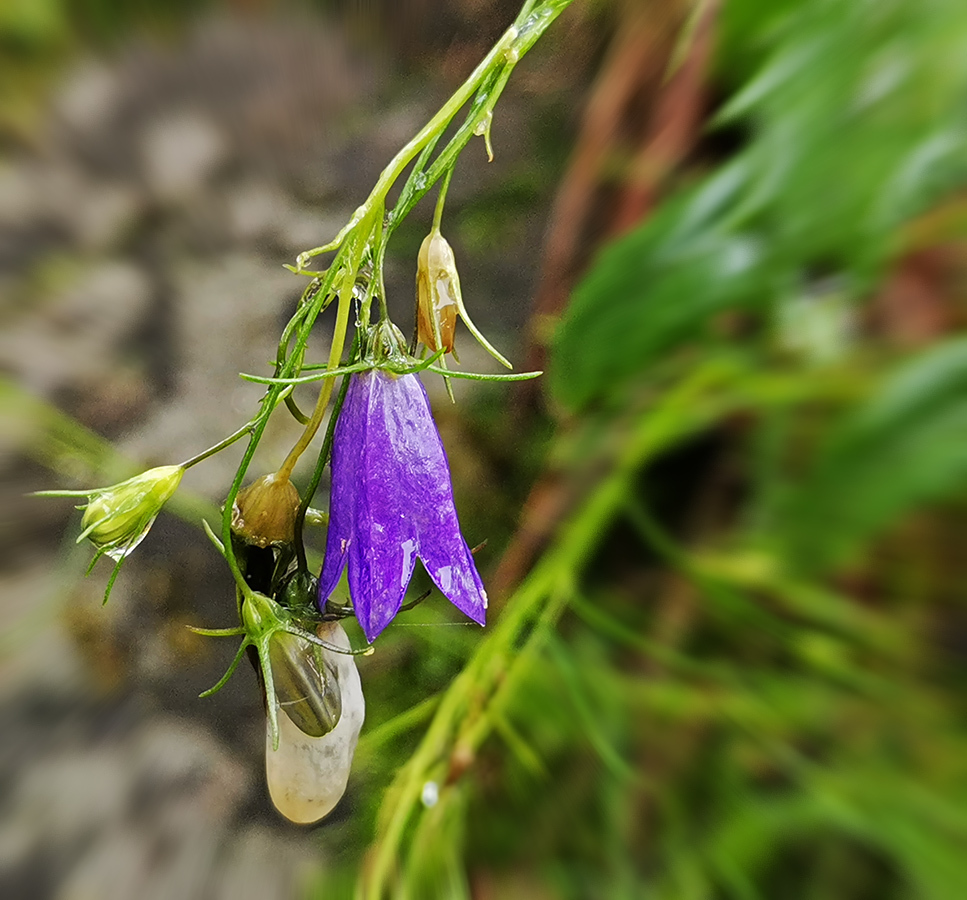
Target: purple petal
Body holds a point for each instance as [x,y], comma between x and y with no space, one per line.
[391,502]
[382,558]
[450,564]
[430,496]
[347,450]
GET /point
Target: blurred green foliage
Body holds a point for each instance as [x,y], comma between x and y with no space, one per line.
[856,122]
[737,669]
[37,36]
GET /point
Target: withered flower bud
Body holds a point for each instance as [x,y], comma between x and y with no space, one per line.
[437,293]
[265,512]
[307,775]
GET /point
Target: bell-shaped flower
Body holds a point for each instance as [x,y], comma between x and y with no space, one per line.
[392,502]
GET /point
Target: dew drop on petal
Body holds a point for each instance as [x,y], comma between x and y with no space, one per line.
[445,578]
[126,549]
[409,551]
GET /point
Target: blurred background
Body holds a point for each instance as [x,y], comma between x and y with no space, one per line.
[725,532]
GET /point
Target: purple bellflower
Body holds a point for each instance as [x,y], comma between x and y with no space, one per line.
[392,502]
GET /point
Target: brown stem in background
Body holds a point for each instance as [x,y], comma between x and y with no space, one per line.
[632,74]
[634,61]
[673,130]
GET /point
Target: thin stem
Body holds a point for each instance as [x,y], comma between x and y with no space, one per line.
[335,351]
[322,373]
[218,685]
[221,445]
[323,458]
[335,354]
[376,285]
[441,200]
[430,131]
[476,376]
[268,404]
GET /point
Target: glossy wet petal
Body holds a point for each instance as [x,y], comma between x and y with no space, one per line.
[399,506]
[347,454]
[383,553]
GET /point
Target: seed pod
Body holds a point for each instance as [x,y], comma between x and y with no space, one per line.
[307,775]
[437,293]
[265,512]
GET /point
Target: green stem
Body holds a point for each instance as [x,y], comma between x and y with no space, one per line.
[324,454]
[221,445]
[441,200]
[338,343]
[429,132]
[271,399]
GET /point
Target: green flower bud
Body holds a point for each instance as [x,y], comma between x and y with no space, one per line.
[118,517]
[265,512]
[259,614]
[437,293]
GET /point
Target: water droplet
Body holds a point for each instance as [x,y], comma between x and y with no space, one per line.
[430,795]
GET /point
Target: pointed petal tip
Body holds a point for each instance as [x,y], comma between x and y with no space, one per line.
[374,624]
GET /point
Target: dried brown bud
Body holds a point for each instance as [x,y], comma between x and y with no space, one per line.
[437,293]
[265,512]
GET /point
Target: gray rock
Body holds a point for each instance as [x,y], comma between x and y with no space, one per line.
[89,96]
[84,318]
[227,314]
[180,154]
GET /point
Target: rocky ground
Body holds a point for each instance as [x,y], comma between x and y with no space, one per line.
[141,240]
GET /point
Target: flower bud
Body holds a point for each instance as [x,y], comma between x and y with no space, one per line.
[259,613]
[265,512]
[118,517]
[300,591]
[437,293]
